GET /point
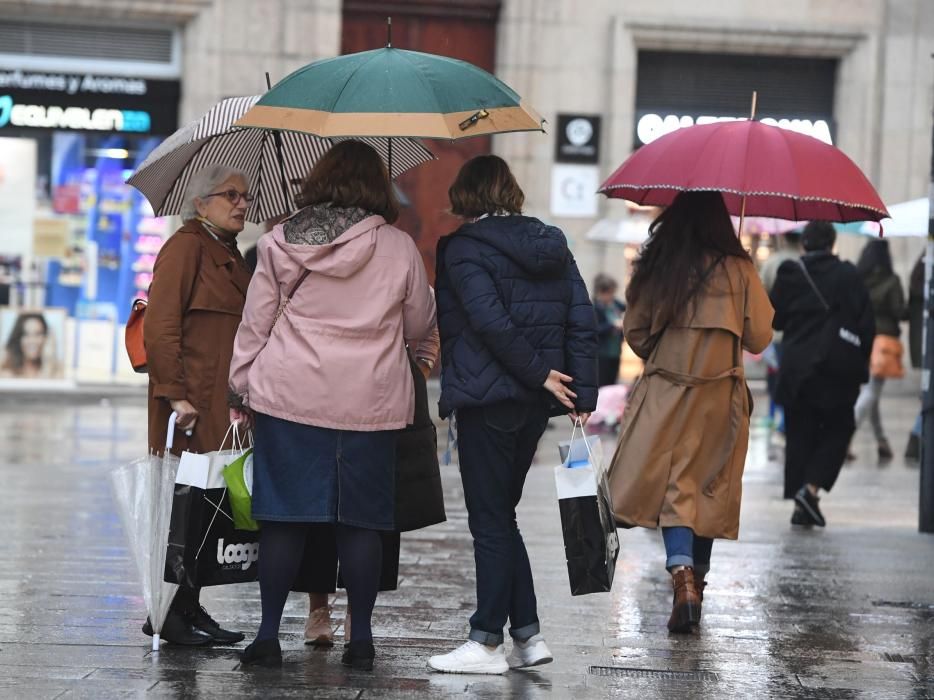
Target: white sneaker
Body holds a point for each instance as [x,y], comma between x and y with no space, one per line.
[532,652]
[471,657]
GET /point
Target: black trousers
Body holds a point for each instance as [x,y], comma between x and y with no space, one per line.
[817,438]
[318,572]
[607,370]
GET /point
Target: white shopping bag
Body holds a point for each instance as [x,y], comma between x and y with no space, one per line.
[206,471]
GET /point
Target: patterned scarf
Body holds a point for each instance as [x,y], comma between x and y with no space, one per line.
[321,224]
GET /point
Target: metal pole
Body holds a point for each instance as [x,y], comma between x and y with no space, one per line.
[283,181]
[926,501]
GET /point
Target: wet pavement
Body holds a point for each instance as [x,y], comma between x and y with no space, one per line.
[846,612]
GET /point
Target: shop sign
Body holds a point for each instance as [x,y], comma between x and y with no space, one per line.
[62,101]
[574,191]
[651,126]
[578,139]
[79,118]
[71,84]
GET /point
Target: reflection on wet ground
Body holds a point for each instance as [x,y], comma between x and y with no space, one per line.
[844,612]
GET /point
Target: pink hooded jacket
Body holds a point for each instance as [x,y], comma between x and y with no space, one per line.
[336,357]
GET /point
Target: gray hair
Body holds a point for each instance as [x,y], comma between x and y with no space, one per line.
[203,183]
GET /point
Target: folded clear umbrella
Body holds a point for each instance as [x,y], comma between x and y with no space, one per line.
[143,490]
[272,160]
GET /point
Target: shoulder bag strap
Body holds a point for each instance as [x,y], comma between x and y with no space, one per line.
[807,276]
[286,301]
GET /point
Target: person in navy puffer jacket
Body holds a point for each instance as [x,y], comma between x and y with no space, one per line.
[518,346]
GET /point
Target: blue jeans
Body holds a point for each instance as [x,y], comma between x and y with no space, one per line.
[496,444]
[684,548]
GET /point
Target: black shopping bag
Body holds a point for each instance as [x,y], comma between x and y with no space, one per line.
[419,493]
[591,544]
[204,547]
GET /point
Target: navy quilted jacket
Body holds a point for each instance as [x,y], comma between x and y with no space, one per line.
[511,307]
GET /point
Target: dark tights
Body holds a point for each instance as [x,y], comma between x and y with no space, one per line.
[281,546]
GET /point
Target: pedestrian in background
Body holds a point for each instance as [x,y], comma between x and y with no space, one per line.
[914,314]
[888,307]
[327,380]
[694,303]
[823,308]
[788,247]
[196,297]
[518,345]
[610,311]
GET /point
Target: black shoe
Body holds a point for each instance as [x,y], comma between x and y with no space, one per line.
[913,450]
[178,630]
[204,622]
[359,655]
[885,452]
[799,517]
[809,504]
[262,652]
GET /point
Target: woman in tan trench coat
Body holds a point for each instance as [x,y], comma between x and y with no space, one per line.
[196,299]
[694,302]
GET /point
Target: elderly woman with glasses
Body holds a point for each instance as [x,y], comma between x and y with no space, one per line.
[198,289]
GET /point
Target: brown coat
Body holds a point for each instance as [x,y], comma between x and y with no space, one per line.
[198,289]
[684,434]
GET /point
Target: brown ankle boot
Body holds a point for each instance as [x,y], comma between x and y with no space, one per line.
[686,607]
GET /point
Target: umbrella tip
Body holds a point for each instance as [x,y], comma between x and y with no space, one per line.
[389,32]
[155,642]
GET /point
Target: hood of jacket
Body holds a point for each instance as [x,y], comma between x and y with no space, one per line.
[539,249]
[342,257]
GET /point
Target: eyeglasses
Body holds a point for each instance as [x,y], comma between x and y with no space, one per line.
[232,196]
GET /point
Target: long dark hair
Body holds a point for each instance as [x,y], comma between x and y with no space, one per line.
[686,238]
[14,345]
[875,256]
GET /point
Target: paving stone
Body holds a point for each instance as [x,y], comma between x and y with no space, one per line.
[844,612]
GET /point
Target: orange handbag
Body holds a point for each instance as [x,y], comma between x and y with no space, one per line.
[886,359]
[134,336]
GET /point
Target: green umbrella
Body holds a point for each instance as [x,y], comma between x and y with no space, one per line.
[392,92]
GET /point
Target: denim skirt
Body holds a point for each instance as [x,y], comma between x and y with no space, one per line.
[302,473]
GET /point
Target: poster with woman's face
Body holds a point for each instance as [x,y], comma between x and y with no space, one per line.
[32,343]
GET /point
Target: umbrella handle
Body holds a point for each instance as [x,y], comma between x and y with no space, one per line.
[170,431]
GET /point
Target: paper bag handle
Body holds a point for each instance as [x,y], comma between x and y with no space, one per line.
[579,422]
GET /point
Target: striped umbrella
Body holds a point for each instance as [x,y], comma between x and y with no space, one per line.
[164,175]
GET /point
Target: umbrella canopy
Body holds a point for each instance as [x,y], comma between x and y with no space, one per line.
[213,139]
[393,92]
[780,173]
[909,219]
[143,491]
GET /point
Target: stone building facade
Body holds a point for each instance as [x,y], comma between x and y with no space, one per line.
[571,57]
